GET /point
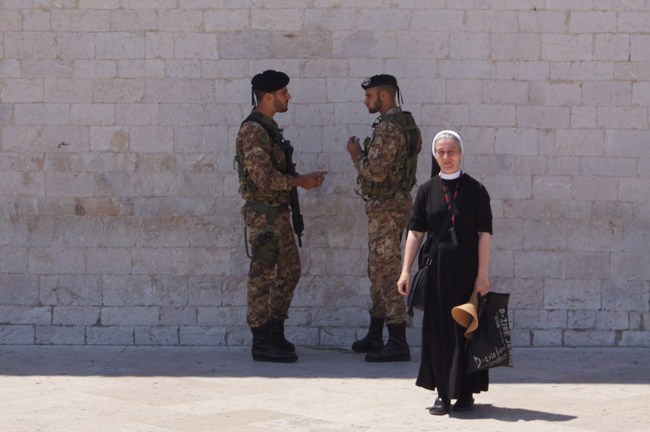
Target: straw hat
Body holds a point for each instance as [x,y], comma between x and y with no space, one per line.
[467,315]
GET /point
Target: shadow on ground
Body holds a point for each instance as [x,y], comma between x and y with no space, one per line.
[531,365]
[487,411]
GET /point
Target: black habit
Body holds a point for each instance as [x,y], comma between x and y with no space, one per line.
[444,358]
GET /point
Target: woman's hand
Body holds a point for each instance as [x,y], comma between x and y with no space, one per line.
[482,284]
[404,284]
[413,240]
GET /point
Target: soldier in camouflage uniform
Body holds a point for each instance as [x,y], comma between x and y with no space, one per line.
[263,159]
[386,165]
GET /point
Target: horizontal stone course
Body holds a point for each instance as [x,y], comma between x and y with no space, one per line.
[120,214]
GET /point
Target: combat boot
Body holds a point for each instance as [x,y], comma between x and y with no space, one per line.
[372,341]
[266,349]
[277,333]
[396,349]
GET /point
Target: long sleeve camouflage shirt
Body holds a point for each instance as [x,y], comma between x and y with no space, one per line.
[384,154]
[264,164]
[386,141]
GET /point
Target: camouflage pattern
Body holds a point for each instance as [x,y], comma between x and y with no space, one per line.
[387,166]
[270,288]
[262,180]
[262,164]
[387,220]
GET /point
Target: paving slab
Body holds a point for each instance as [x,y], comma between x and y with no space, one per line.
[197,389]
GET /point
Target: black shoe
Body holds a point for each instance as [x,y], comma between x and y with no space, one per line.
[464,403]
[396,349]
[277,333]
[266,347]
[274,357]
[440,407]
[373,341]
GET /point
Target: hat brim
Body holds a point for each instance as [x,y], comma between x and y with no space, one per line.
[466,315]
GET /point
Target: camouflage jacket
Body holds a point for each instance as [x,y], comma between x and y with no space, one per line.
[387,165]
[261,164]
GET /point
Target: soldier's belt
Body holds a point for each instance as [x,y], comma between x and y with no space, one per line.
[270,212]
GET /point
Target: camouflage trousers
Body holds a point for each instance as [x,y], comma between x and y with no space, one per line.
[271,283]
[387,220]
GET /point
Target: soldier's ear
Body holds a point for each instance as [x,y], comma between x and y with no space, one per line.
[266,97]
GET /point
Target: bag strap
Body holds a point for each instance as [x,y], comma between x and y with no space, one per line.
[429,256]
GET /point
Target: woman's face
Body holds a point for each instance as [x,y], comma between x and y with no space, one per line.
[448,155]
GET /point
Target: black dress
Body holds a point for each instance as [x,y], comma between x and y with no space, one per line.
[444,356]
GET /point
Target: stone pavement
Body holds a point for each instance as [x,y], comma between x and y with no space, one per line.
[165,389]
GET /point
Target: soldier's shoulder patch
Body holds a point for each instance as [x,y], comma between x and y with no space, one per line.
[262,136]
[254,131]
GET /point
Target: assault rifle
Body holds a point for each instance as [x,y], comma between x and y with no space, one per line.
[296,216]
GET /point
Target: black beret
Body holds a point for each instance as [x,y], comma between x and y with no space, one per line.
[379,80]
[269,81]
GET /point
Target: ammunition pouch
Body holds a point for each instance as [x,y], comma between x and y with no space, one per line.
[266,249]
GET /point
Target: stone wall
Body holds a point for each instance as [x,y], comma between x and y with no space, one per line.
[119,212]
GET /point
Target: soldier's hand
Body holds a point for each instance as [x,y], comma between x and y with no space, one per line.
[311,180]
[354,148]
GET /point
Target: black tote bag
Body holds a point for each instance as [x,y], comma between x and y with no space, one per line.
[491,344]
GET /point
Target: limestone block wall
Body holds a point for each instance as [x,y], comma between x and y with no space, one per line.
[119,212]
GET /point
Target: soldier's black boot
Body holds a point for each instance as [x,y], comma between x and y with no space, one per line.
[396,349]
[372,341]
[277,331]
[266,349]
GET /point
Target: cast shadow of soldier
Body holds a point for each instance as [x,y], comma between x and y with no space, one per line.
[531,365]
